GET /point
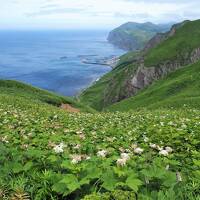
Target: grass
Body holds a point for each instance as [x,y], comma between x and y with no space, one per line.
[17,89]
[47,153]
[111,86]
[177,47]
[177,89]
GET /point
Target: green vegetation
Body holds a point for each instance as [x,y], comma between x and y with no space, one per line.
[177,47]
[149,152]
[109,87]
[115,86]
[15,89]
[134,36]
[47,153]
[178,89]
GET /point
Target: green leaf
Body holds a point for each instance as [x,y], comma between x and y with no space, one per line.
[28,166]
[17,167]
[71,182]
[169,180]
[52,158]
[67,165]
[133,183]
[109,180]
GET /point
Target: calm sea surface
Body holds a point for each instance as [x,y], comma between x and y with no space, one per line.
[52,60]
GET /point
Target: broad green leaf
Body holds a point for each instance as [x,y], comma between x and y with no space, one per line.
[71,182]
[109,180]
[28,166]
[133,183]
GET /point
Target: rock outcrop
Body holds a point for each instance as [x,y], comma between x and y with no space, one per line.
[144,76]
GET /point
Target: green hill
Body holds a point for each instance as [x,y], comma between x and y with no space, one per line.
[137,70]
[16,90]
[177,90]
[134,36]
[48,153]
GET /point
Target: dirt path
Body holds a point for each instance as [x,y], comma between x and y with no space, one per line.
[69,108]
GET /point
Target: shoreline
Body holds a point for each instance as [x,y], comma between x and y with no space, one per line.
[111,62]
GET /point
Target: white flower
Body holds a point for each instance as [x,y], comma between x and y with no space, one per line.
[78,146]
[59,148]
[146,139]
[88,158]
[153,146]
[76,159]
[179,177]
[134,146]
[125,156]
[4,139]
[163,153]
[159,148]
[138,150]
[167,167]
[102,153]
[121,162]
[168,149]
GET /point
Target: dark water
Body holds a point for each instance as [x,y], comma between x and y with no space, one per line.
[52,60]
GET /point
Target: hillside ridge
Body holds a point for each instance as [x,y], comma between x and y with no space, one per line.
[177,48]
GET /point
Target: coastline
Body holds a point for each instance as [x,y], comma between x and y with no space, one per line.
[111,62]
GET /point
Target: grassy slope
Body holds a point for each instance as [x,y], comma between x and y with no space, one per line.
[184,41]
[17,90]
[30,165]
[175,47]
[111,84]
[178,88]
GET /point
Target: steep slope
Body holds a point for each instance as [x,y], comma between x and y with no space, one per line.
[175,49]
[133,36]
[10,89]
[179,89]
[47,153]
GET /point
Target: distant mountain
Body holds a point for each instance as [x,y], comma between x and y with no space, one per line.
[134,36]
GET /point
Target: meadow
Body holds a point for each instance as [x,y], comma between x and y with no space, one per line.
[47,153]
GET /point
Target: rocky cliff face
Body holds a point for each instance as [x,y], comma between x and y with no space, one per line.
[144,76]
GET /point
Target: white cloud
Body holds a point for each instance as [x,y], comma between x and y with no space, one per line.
[92,13]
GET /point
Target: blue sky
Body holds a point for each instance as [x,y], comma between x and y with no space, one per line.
[87,14]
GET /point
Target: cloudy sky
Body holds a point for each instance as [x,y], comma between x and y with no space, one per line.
[103,14]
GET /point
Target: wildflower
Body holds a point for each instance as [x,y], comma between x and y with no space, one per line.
[78,146]
[179,177]
[76,159]
[168,149]
[146,139]
[121,162]
[82,136]
[159,148]
[59,148]
[153,146]
[138,150]
[88,158]
[121,149]
[102,153]
[134,146]
[125,156]
[163,152]
[4,139]
[167,167]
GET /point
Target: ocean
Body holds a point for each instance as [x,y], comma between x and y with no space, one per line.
[53,60]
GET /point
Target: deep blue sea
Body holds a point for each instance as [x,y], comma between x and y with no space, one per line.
[52,60]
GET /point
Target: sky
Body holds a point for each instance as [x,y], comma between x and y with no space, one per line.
[92,14]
